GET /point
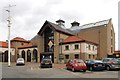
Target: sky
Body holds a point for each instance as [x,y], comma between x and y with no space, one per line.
[28,16]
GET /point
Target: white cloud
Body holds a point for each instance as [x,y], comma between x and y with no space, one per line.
[29,15]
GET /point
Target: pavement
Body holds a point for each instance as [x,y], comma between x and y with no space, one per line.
[37,65]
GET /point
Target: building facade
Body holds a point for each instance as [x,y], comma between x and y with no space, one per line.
[98,41]
[101,32]
[4,52]
[51,35]
[76,48]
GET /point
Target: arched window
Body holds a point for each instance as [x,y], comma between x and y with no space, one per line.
[35,56]
[23,54]
[28,56]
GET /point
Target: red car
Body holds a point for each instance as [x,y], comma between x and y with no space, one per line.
[76,64]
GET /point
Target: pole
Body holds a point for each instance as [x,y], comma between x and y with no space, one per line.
[8,35]
[9,25]
[8,45]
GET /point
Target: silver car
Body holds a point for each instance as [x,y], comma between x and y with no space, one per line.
[20,61]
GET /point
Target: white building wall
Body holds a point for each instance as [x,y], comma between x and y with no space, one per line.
[71,49]
[84,48]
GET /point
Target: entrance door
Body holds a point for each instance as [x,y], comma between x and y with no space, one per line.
[35,54]
[23,54]
[28,56]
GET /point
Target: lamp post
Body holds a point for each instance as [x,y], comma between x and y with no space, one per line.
[9,25]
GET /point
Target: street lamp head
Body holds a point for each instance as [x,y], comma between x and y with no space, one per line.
[8,10]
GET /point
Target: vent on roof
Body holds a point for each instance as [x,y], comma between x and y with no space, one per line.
[75,24]
[61,23]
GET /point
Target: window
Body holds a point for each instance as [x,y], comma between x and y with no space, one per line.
[89,56]
[22,44]
[66,56]
[89,47]
[93,56]
[76,46]
[67,47]
[76,56]
[93,48]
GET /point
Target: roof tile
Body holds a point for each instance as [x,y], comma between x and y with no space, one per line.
[4,44]
[19,39]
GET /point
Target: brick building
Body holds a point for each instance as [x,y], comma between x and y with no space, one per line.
[97,39]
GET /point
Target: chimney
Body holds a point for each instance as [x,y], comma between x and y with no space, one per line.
[61,23]
[75,24]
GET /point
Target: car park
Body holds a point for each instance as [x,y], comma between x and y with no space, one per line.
[46,63]
[112,63]
[76,64]
[95,65]
[20,61]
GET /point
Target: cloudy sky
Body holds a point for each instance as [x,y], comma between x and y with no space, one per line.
[29,15]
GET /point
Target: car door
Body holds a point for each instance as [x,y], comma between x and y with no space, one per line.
[71,63]
[68,64]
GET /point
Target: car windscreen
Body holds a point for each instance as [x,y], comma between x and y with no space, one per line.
[20,59]
[79,61]
[46,60]
[97,61]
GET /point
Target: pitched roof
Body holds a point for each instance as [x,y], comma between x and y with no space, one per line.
[30,45]
[55,27]
[4,44]
[90,25]
[19,39]
[73,39]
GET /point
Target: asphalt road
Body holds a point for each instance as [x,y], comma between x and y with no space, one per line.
[33,71]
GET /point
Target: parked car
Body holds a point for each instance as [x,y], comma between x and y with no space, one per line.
[95,65]
[76,64]
[20,61]
[46,63]
[112,63]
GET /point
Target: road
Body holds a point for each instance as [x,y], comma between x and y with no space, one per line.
[33,71]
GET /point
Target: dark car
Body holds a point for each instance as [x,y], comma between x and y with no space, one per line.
[46,63]
[111,63]
[95,65]
[76,64]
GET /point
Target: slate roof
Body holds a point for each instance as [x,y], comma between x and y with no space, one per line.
[74,29]
[57,28]
[90,25]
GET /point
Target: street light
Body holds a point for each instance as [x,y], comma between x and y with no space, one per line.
[9,25]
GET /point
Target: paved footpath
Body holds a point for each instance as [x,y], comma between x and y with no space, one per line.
[37,65]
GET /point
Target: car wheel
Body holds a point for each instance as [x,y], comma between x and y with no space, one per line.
[50,66]
[91,68]
[108,68]
[73,69]
[84,70]
[67,68]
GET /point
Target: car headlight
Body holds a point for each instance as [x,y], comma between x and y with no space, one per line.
[76,65]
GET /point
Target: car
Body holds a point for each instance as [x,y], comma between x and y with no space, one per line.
[111,63]
[76,64]
[95,65]
[20,61]
[46,63]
